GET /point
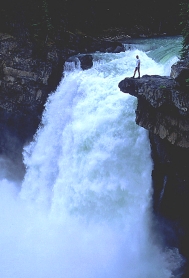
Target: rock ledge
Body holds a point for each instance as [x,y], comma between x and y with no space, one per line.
[163,104]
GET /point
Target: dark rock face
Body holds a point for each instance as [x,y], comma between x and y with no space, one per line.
[162,109]
[171,192]
[180,72]
[26,79]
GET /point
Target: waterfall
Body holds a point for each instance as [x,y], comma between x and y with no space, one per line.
[83,209]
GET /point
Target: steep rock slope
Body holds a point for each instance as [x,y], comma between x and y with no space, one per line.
[163,109]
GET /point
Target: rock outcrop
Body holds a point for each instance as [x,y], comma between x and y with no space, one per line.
[180,72]
[163,109]
[27,76]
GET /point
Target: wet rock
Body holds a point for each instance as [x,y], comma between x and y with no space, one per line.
[119,49]
[86,61]
[106,46]
[180,72]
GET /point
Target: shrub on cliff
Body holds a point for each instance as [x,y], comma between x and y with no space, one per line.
[51,18]
[184,13]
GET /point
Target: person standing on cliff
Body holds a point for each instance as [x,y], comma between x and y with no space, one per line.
[137,68]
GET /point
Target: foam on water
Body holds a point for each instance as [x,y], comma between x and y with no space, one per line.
[84,207]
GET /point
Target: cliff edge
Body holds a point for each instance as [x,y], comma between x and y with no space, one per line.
[163,109]
[163,103]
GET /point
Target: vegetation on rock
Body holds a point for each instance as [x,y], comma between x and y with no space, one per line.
[184,14]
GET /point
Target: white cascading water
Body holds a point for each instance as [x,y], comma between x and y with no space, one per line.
[84,207]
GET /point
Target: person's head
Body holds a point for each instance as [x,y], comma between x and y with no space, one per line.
[137,57]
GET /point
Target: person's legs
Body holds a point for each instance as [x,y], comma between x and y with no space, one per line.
[134,72]
[139,72]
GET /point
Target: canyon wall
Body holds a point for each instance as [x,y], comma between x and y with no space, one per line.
[163,109]
[27,76]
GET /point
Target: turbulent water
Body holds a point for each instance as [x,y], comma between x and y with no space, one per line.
[83,209]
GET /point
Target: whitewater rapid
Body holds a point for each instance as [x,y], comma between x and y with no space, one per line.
[83,209]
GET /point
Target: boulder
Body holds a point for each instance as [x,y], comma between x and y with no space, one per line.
[119,49]
[180,72]
[86,61]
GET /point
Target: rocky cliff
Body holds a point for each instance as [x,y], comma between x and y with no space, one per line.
[27,76]
[163,109]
